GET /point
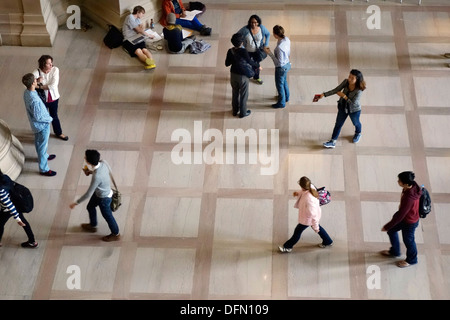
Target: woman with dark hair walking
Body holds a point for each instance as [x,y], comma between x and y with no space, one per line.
[309,213]
[406,219]
[349,92]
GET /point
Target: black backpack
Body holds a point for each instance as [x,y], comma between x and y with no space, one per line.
[113,38]
[21,197]
[424,203]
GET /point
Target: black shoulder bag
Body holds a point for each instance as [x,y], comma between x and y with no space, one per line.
[259,53]
[41,92]
[243,65]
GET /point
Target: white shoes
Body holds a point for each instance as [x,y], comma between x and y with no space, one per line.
[283,249]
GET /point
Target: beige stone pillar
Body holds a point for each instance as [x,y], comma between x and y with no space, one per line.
[28,23]
[40,24]
[114,12]
[12,157]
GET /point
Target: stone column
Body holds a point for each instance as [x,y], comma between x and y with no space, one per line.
[28,23]
[114,12]
[12,156]
[40,24]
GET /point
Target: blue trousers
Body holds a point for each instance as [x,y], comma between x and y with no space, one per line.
[340,120]
[53,111]
[326,240]
[408,230]
[194,24]
[281,84]
[41,145]
[105,208]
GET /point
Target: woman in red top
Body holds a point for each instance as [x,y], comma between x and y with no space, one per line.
[405,219]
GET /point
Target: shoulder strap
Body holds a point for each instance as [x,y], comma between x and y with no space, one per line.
[110,173]
[253,38]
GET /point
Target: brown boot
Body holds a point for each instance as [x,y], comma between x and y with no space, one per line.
[111,237]
[88,227]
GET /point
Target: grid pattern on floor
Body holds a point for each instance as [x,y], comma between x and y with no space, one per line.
[211,231]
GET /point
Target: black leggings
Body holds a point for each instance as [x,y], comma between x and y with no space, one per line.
[4,216]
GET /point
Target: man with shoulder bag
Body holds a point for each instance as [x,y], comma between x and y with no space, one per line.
[100,194]
[242,68]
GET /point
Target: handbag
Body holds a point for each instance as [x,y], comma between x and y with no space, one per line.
[116,199]
[324,196]
[244,66]
[260,54]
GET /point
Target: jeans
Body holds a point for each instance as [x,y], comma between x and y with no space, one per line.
[239,85]
[281,84]
[408,230]
[340,119]
[105,208]
[326,240]
[41,145]
[53,111]
[4,217]
[195,24]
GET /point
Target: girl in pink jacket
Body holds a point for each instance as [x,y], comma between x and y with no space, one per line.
[309,213]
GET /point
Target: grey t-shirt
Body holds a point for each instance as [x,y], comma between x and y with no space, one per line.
[129,24]
[100,183]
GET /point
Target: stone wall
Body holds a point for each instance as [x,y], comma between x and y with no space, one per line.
[36,22]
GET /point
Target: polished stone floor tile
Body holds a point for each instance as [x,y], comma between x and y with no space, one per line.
[207,197]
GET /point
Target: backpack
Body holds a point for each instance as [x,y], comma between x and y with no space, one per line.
[196,5]
[21,197]
[424,203]
[113,38]
[324,196]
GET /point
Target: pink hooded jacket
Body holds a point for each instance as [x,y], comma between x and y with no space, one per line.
[309,211]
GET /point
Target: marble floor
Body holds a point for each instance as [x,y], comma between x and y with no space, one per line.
[209,228]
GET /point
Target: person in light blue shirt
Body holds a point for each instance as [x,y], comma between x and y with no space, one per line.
[40,123]
[280,57]
[256,36]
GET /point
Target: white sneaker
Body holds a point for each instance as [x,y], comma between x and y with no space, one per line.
[321,245]
[283,249]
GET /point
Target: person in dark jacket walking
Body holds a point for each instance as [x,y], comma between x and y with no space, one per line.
[406,219]
[8,210]
[238,80]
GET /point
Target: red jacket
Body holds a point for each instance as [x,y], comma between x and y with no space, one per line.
[167,7]
[408,210]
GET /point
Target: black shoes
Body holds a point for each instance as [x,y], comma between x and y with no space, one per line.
[51,157]
[246,114]
[205,31]
[63,137]
[48,173]
[29,245]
